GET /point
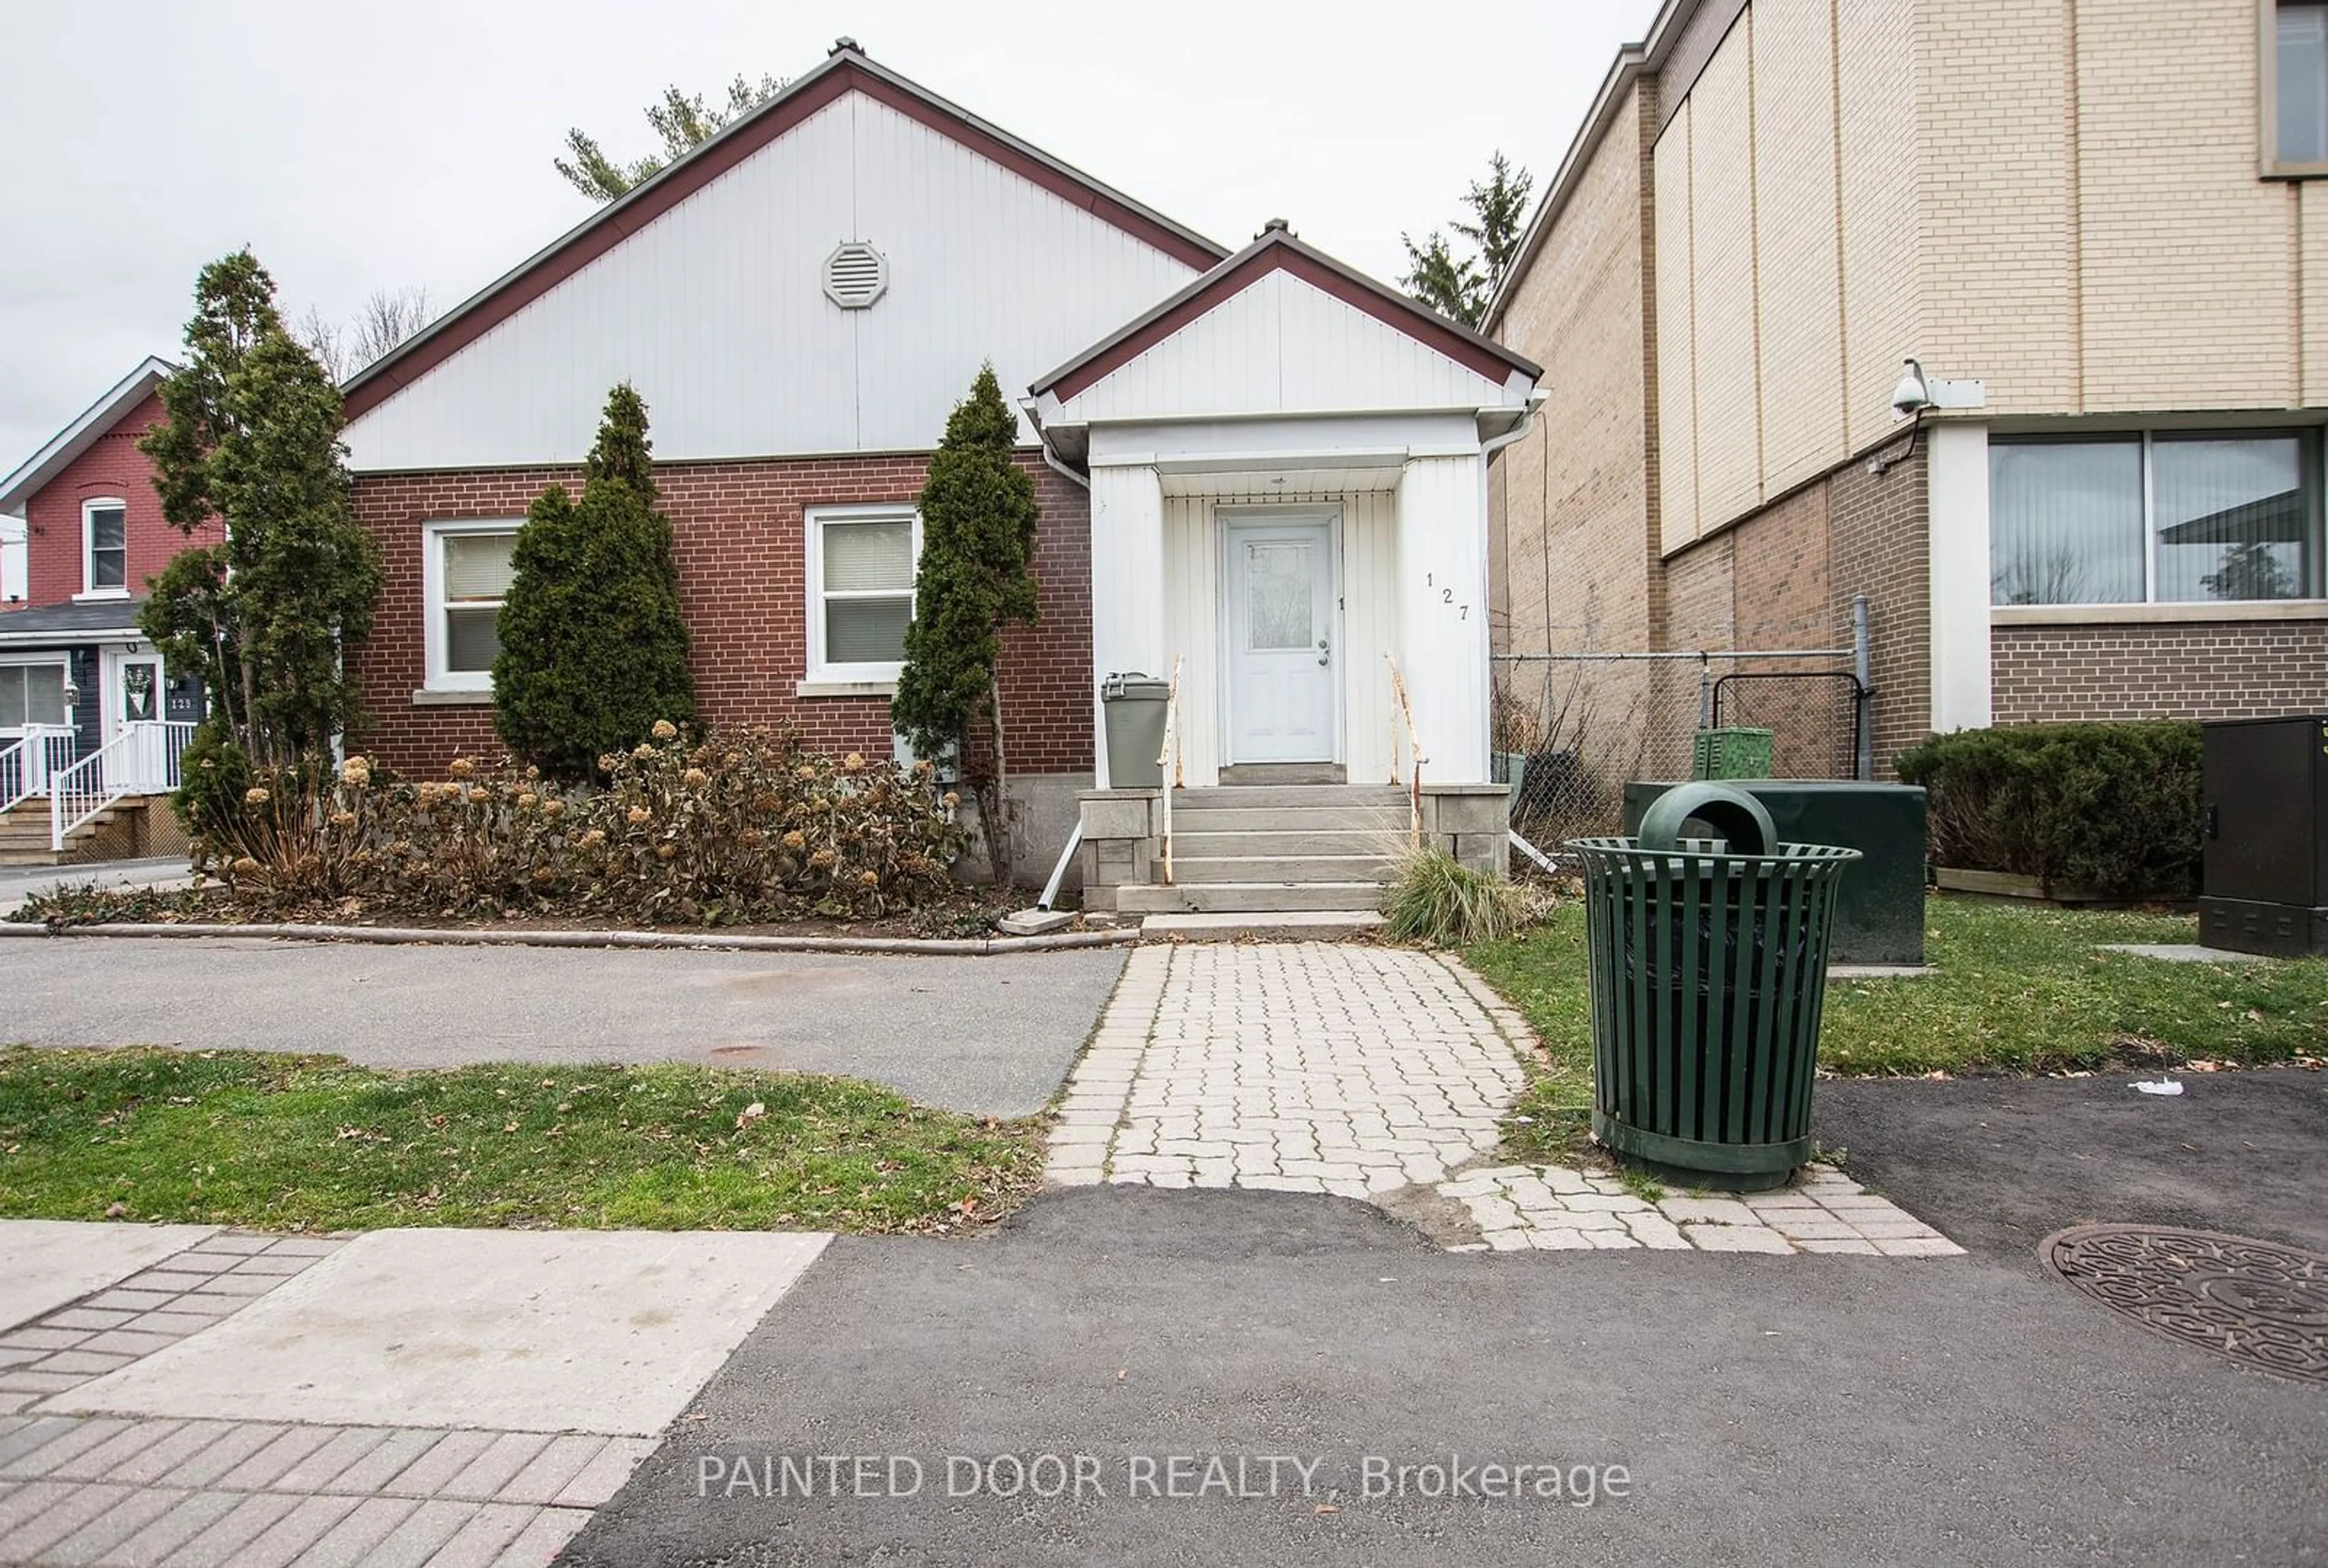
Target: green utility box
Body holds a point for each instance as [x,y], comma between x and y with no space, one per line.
[1879,914]
[1729,754]
[1707,962]
[1135,706]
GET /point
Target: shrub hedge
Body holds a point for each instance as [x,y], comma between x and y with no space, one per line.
[2111,806]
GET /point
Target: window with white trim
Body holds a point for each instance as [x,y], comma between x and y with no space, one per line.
[466,570]
[2157,517]
[860,589]
[105,547]
[30,693]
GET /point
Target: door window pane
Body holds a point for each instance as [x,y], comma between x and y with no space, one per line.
[108,547]
[866,631]
[1278,595]
[2233,518]
[2065,522]
[2302,82]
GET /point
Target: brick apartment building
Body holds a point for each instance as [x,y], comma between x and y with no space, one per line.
[2092,223]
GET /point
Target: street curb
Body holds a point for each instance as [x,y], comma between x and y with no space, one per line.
[399,936]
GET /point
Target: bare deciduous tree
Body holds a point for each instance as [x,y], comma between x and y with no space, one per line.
[384,320]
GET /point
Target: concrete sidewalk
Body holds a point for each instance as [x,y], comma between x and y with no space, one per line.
[184,1396]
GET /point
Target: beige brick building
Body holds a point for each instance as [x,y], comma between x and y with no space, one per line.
[2093,222]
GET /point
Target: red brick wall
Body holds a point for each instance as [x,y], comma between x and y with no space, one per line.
[2187,670]
[737,530]
[113,466]
[1882,547]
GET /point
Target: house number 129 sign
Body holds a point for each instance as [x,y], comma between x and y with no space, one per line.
[1447,596]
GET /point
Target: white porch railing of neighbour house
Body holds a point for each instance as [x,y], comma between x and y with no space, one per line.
[1401,709]
[141,760]
[1168,758]
[27,763]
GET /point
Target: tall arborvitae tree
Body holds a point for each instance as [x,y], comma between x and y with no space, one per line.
[251,436]
[978,536]
[593,649]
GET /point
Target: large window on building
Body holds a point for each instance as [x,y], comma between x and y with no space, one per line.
[31,694]
[2161,518]
[860,574]
[2297,61]
[467,572]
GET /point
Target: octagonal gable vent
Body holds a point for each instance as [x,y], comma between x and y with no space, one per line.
[855,275]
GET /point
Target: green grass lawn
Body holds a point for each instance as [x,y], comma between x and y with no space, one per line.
[2019,991]
[278,1142]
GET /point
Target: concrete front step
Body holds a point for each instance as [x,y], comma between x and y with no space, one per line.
[1247,898]
[1274,797]
[1294,839]
[1304,818]
[1293,924]
[1376,869]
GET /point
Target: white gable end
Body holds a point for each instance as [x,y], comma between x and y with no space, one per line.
[718,310]
[1282,346]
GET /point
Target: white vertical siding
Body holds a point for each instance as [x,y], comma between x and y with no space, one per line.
[1442,600]
[715,310]
[1127,554]
[1282,346]
[1369,621]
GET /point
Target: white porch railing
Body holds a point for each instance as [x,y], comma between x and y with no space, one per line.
[1169,759]
[1402,709]
[141,760]
[27,763]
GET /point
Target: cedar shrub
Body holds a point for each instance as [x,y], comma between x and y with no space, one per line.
[593,649]
[978,514]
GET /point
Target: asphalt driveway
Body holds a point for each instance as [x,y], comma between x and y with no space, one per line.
[1780,1410]
[987,1036]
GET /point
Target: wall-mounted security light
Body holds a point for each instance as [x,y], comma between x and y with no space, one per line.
[1917,391]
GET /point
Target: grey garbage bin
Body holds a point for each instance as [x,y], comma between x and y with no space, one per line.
[1134,706]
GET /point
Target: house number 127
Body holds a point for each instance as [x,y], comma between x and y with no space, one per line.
[1446,596]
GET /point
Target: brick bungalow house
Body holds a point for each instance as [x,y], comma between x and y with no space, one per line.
[2093,227]
[91,720]
[1263,468]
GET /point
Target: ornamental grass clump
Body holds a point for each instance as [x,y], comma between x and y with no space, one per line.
[741,825]
[1439,901]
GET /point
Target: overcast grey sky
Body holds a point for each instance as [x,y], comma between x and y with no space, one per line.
[381,145]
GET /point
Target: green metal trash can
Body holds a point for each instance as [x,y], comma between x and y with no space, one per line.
[1135,707]
[1707,960]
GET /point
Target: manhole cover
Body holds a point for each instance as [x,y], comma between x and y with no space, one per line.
[2254,1302]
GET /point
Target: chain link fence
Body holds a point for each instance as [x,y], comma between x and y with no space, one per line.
[1571,730]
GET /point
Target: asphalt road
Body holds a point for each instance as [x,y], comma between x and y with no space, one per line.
[989,1036]
[1802,1410]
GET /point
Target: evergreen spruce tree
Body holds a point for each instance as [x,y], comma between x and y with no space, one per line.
[593,650]
[978,536]
[250,435]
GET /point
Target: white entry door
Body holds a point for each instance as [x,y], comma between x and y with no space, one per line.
[1281,626]
[133,708]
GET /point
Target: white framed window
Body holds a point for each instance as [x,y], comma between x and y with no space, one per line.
[2156,517]
[32,692]
[860,590]
[104,548]
[466,570]
[2294,60]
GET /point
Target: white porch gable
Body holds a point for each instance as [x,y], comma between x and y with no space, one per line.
[1282,403]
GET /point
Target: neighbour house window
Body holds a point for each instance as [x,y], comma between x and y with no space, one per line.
[31,694]
[105,547]
[2154,519]
[860,574]
[467,570]
[2298,63]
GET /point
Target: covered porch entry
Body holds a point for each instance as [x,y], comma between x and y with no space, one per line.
[1288,471]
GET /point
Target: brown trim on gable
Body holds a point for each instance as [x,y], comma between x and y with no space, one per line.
[844,73]
[1279,251]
